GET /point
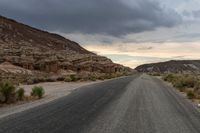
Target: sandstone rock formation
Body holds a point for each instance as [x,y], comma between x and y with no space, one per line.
[36,50]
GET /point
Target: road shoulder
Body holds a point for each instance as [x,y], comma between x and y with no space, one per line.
[53,91]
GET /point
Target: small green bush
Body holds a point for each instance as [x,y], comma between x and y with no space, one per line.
[37,91]
[74,77]
[170,77]
[189,81]
[68,79]
[20,93]
[92,78]
[71,78]
[190,94]
[7,90]
[178,83]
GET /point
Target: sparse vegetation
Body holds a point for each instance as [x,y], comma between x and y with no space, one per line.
[7,90]
[74,77]
[170,77]
[67,79]
[197,86]
[81,76]
[188,83]
[20,93]
[190,94]
[92,78]
[181,80]
[37,91]
[10,94]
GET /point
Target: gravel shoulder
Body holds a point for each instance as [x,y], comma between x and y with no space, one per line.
[53,91]
[193,102]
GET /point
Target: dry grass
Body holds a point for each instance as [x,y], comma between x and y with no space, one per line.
[187,83]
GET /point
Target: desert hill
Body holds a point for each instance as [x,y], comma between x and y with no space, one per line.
[173,66]
[30,49]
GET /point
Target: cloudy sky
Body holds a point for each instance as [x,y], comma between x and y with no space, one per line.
[130,32]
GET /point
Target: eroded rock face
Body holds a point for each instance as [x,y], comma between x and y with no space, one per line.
[37,50]
[97,64]
[174,66]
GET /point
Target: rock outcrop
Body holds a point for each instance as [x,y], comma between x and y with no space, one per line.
[174,66]
[36,50]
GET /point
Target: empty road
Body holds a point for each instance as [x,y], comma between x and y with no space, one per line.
[136,104]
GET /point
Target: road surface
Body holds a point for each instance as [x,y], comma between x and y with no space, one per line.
[136,104]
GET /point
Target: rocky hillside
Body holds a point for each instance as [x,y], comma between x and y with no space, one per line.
[30,49]
[174,66]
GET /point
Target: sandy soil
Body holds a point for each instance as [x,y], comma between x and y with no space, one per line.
[53,91]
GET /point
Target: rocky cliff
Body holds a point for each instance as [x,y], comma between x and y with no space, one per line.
[38,51]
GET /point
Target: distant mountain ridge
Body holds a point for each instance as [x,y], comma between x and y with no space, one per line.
[173,66]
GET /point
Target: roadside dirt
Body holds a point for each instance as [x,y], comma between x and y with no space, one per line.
[53,90]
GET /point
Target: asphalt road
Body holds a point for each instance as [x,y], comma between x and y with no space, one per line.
[136,104]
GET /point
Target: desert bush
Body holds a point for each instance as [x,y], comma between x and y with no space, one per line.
[60,79]
[181,81]
[179,85]
[74,77]
[189,81]
[29,81]
[197,86]
[37,91]
[68,79]
[71,78]
[20,93]
[92,78]
[7,90]
[170,77]
[190,94]
[185,82]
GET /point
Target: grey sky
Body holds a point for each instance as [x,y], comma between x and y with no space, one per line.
[110,17]
[124,29]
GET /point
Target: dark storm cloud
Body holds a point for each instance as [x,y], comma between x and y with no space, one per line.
[196,13]
[186,13]
[112,17]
